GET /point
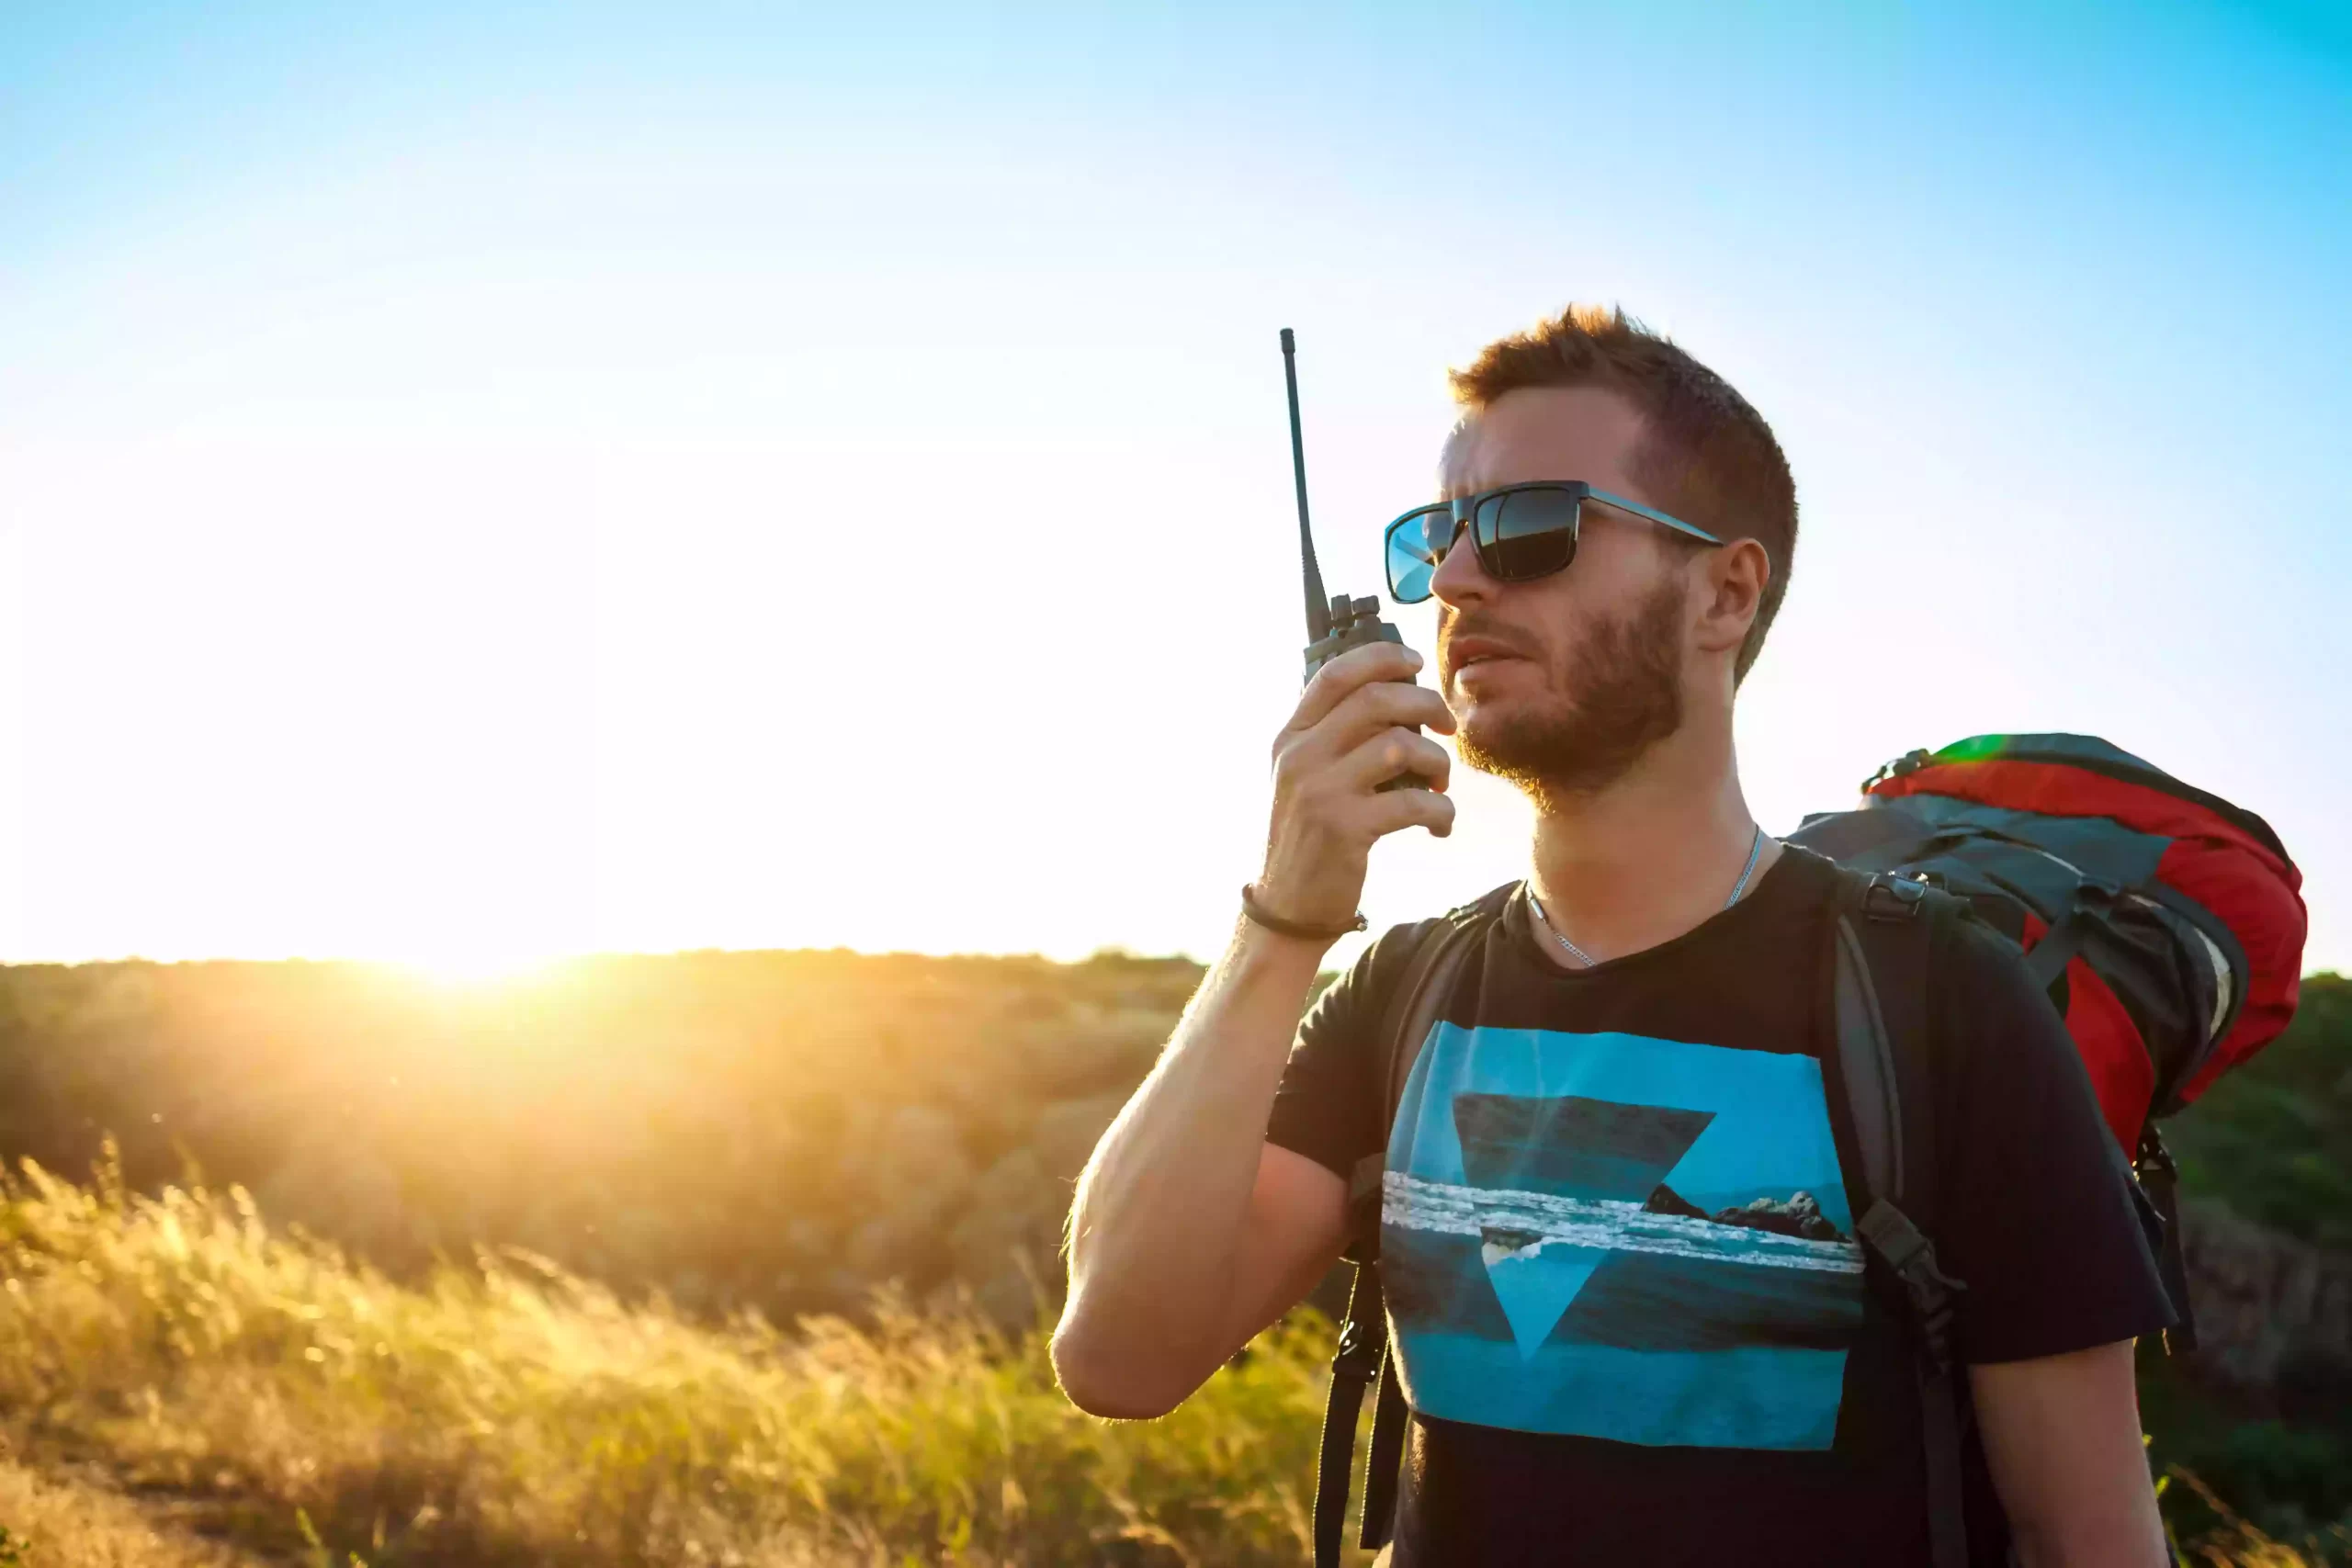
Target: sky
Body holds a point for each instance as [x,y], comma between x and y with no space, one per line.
[483,481]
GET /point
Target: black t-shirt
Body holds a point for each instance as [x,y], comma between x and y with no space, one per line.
[1617,1241]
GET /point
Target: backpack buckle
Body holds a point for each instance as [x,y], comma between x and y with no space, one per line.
[1910,1257]
[1894,898]
[1358,1358]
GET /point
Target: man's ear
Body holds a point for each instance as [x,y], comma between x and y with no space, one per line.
[1732,580]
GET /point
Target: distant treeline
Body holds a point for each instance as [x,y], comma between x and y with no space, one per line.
[743,1127]
[774,1129]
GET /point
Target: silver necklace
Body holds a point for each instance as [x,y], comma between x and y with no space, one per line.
[1755,850]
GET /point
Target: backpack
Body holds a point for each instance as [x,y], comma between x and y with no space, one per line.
[2165,921]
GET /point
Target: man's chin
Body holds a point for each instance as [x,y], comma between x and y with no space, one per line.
[1496,708]
[1489,740]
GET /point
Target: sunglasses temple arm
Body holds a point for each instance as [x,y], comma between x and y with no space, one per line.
[1654,515]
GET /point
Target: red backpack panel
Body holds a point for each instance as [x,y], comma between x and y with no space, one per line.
[2167,923]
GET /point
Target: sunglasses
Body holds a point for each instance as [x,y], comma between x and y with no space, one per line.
[1521,532]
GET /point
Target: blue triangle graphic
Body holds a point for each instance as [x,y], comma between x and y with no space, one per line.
[1535,1285]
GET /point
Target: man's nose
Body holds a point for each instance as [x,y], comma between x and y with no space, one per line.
[1459,579]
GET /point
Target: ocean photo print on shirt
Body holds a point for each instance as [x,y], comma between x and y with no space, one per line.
[1616,1236]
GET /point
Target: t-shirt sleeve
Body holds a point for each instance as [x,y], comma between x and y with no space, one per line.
[1328,1105]
[2040,1218]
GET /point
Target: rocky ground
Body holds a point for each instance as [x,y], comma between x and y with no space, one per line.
[2274,1315]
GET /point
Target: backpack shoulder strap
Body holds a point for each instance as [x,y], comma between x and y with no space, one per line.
[1881,936]
[1884,933]
[1439,950]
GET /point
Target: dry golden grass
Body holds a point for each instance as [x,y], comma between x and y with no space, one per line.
[513,1414]
[57,1521]
[2238,1543]
[270,1394]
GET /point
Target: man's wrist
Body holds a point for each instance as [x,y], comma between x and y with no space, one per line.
[1260,912]
[1260,950]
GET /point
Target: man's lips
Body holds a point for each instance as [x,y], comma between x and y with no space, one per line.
[1464,652]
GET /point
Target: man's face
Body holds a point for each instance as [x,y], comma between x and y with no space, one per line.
[1562,684]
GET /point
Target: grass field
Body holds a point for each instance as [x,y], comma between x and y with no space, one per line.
[181,1386]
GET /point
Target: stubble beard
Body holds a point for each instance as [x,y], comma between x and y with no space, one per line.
[1626,680]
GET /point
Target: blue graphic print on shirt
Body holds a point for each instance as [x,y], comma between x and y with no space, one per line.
[1548,1252]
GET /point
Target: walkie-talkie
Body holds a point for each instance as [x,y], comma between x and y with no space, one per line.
[1335,626]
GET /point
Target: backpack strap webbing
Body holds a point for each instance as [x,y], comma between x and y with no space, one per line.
[1360,1357]
[2159,1178]
[1883,936]
[1439,949]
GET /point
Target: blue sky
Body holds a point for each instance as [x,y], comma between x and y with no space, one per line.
[478,481]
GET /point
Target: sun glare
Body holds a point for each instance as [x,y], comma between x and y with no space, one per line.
[480,966]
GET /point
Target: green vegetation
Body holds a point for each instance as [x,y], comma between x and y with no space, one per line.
[2289,1479]
[2273,1139]
[2272,1142]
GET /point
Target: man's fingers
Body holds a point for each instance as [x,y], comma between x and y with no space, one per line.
[1354,729]
[1384,702]
[1364,713]
[1397,750]
[1391,661]
[1395,809]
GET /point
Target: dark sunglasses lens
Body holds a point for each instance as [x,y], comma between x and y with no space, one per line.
[1417,543]
[1527,533]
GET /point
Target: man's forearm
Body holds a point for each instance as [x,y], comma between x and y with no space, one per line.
[1159,1216]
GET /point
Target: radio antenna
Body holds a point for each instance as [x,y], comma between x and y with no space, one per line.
[1318,613]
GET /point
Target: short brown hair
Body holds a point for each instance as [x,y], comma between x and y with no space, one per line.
[1710,455]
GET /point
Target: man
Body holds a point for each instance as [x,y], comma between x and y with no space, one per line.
[1628,1306]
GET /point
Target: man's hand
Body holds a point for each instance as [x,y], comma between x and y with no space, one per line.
[1352,731]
